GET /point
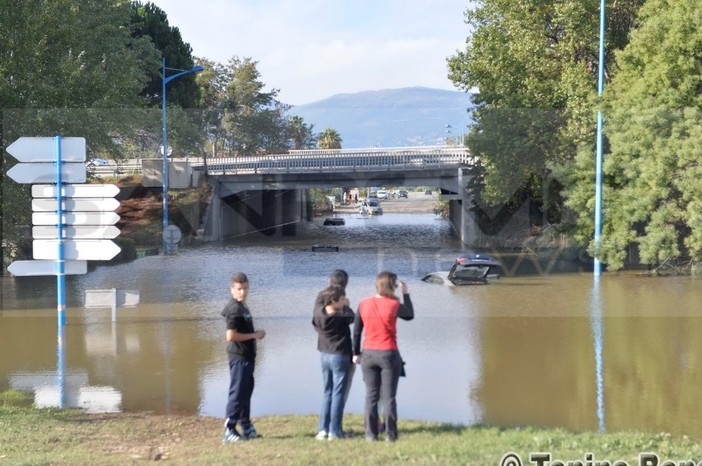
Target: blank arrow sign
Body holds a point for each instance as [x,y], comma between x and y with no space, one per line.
[46,172]
[76,218]
[76,190]
[107,204]
[76,232]
[96,250]
[29,149]
[41,268]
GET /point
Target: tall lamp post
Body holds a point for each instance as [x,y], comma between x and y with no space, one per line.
[597,266]
[165,80]
[459,142]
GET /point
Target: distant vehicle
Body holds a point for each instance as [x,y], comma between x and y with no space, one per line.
[371,207]
[402,193]
[373,194]
[382,194]
[428,191]
[468,269]
[98,162]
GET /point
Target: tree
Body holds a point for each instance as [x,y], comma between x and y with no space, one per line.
[653,171]
[301,135]
[329,139]
[213,83]
[534,64]
[149,21]
[185,125]
[254,120]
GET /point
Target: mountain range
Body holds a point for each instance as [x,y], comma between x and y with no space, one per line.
[412,116]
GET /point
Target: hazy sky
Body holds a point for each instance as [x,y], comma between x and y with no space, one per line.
[312,49]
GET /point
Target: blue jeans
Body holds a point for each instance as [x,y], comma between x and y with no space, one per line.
[335,368]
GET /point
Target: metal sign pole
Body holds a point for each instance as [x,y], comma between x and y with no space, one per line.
[60,281]
[60,263]
[597,265]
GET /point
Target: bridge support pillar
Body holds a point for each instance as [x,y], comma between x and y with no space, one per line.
[462,218]
[264,212]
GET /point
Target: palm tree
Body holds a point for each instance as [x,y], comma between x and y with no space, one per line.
[329,139]
[301,134]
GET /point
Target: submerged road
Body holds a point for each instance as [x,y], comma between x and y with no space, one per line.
[416,202]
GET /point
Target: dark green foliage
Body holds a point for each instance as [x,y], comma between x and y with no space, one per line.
[149,21]
[128,252]
[653,169]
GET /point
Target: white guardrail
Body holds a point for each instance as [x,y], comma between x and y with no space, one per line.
[337,160]
[305,161]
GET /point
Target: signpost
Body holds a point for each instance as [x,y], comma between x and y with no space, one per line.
[112,298]
[77,232]
[27,149]
[75,249]
[76,218]
[46,267]
[72,222]
[60,160]
[83,205]
[76,190]
[46,172]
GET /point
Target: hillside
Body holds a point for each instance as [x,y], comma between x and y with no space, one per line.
[410,116]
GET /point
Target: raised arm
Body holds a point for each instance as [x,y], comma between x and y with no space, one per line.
[406,310]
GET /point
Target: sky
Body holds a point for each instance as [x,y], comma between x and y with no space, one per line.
[312,49]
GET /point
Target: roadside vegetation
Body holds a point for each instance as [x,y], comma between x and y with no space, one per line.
[62,437]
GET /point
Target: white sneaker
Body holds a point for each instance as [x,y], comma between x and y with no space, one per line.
[321,435]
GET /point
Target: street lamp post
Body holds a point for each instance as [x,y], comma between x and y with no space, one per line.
[459,142]
[597,266]
[165,80]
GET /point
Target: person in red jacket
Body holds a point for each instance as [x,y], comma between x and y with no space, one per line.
[381,363]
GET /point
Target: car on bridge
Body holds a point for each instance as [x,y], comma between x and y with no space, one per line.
[97,162]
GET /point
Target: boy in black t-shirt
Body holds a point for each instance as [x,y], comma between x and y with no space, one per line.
[241,351]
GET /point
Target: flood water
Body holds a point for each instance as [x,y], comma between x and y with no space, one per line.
[526,350]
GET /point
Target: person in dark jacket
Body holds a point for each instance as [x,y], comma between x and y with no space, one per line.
[332,318]
[241,350]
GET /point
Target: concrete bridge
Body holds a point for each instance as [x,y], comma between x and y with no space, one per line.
[268,193]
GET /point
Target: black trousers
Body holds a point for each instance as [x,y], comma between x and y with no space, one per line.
[381,374]
[241,385]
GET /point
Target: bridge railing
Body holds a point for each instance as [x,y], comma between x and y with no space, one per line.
[337,160]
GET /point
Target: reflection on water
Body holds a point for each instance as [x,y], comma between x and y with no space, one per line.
[517,352]
[598,339]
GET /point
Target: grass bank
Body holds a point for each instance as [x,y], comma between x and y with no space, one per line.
[62,437]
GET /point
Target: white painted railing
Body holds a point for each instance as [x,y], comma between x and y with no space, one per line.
[337,160]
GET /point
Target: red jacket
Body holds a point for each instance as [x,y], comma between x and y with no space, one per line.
[378,317]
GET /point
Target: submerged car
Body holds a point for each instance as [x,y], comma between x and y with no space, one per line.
[371,206]
[468,269]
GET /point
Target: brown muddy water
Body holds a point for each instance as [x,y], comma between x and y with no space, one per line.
[545,349]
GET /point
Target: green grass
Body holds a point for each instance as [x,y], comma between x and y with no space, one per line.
[50,436]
